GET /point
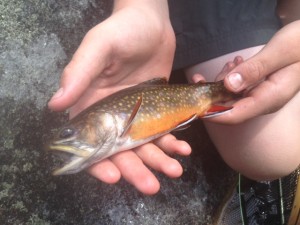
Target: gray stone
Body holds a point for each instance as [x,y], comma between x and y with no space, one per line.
[37,39]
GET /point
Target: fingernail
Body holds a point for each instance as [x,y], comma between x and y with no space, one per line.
[235,81]
[58,94]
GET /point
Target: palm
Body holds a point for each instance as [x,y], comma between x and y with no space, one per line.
[129,47]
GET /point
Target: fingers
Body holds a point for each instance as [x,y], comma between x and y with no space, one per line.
[267,97]
[228,67]
[197,78]
[135,172]
[248,73]
[133,165]
[128,165]
[280,52]
[169,144]
[153,155]
[91,58]
[155,158]
[105,171]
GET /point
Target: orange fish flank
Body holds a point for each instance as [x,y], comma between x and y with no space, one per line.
[147,126]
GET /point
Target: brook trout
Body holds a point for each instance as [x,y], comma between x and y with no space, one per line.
[132,117]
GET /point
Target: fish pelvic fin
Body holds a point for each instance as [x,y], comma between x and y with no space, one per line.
[216,110]
[132,116]
[186,124]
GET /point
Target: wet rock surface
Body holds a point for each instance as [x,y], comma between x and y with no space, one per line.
[37,39]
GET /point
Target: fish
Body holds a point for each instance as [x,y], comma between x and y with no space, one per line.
[132,117]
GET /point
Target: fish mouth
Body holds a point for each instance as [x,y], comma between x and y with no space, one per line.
[69,149]
[73,158]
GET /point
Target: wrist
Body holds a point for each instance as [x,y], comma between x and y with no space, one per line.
[152,14]
[158,6]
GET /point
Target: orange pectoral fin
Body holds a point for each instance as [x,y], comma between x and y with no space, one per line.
[216,110]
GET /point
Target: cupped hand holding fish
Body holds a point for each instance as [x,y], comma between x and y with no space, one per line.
[271,78]
[134,44]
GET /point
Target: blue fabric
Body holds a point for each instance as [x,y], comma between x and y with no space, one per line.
[206,29]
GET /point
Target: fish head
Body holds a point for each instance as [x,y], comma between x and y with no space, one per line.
[83,141]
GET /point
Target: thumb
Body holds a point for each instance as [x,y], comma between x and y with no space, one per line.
[274,56]
[247,74]
[87,63]
[73,83]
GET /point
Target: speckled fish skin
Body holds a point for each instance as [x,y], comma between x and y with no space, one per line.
[132,117]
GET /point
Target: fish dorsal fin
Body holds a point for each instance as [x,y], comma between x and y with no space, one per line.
[132,116]
[217,110]
[185,124]
[155,81]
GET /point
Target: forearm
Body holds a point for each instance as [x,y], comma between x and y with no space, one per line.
[158,6]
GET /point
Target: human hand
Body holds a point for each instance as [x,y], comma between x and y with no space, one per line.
[132,164]
[136,43]
[270,79]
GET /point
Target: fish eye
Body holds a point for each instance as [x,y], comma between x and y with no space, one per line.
[66,133]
